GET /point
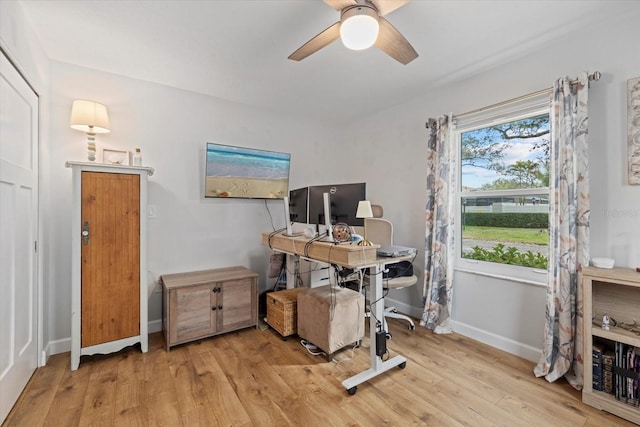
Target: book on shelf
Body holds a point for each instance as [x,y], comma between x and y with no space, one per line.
[607,371]
[626,374]
[598,366]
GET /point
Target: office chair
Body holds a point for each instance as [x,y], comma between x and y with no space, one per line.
[380,232]
[377,211]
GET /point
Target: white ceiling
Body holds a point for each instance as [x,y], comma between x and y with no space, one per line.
[237,50]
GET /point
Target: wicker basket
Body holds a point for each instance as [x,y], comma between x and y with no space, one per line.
[282,313]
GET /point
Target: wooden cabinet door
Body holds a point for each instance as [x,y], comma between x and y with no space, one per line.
[238,304]
[192,312]
[110,274]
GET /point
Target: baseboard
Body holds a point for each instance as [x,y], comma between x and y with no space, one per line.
[155,326]
[58,346]
[404,308]
[64,345]
[510,346]
[44,357]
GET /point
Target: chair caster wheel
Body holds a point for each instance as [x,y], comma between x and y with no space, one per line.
[412,327]
[388,335]
[402,365]
[352,390]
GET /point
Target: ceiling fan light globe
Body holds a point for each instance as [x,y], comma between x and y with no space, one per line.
[359,31]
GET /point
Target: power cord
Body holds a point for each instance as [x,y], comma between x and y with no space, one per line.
[269,212]
[297,280]
[309,243]
[312,348]
[385,292]
[347,359]
[273,233]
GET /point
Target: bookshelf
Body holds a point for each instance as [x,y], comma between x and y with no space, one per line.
[616,293]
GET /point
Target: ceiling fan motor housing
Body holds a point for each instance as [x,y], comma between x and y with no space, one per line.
[360,9]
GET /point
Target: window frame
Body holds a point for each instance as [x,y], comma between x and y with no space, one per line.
[534,106]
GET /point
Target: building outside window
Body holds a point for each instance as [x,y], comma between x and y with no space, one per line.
[503,194]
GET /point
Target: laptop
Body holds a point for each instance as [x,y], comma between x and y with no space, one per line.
[395,251]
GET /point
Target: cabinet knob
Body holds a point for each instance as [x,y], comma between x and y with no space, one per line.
[219,307]
[213,308]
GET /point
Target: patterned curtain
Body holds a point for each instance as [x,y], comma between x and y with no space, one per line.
[440,220]
[569,233]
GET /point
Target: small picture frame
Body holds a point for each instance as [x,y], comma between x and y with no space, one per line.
[114,156]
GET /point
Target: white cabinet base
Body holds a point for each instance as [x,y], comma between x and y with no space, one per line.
[106,348]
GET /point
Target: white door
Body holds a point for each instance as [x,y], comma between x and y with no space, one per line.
[18,233]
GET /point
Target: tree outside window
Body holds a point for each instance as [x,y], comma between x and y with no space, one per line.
[505,191]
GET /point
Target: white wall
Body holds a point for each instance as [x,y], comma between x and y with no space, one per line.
[392,144]
[385,150]
[171,127]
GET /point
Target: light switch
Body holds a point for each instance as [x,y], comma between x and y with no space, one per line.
[152,211]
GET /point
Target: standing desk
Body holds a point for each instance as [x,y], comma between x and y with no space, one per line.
[355,257]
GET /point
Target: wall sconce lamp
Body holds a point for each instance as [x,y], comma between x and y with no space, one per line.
[364,211]
[90,117]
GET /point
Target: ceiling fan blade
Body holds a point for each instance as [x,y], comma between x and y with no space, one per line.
[394,44]
[387,6]
[317,43]
[340,4]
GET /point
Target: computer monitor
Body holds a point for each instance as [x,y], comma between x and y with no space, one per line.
[298,205]
[343,200]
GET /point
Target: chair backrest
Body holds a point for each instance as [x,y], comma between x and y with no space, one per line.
[379,231]
[377,211]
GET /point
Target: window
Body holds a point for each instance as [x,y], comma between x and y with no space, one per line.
[503,194]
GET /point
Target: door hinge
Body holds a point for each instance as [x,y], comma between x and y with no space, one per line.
[35,246]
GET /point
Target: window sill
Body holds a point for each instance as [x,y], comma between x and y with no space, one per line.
[502,277]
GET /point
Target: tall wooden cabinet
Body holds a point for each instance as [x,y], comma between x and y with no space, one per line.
[615,293]
[109,252]
[200,304]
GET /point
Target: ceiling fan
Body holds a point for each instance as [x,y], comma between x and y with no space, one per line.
[376,30]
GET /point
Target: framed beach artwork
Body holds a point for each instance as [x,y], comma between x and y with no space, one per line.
[633,129]
[248,173]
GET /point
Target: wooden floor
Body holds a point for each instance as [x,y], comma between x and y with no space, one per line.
[254,378]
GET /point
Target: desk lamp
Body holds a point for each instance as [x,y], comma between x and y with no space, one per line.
[364,211]
[90,117]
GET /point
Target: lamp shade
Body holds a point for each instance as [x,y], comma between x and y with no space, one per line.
[89,116]
[364,209]
[359,27]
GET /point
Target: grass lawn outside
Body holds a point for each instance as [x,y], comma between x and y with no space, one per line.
[533,236]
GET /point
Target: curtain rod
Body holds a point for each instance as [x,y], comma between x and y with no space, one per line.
[594,77]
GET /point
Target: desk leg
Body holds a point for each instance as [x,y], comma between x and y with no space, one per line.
[377,366]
